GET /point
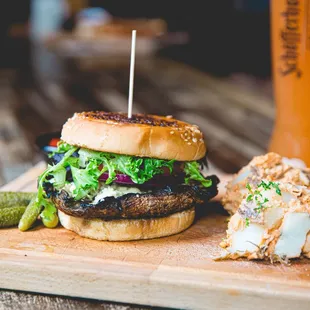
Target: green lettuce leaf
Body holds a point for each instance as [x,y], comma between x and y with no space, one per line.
[49,210]
[85,179]
[59,177]
[87,168]
[192,171]
[131,167]
[139,169]
[62,147]
[110,166]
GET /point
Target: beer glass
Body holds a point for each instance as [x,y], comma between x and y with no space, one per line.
[290,33]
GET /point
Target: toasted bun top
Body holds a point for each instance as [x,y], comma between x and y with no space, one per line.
[142,135]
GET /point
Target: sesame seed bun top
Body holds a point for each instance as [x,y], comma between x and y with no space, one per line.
[142,135]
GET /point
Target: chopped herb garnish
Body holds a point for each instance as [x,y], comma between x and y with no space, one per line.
[264,185]
[247,222]
[258,198]
[261,206]
[249,198]
[257,192]
[270,184]
[276,187]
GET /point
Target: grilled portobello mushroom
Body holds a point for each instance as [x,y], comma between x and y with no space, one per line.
[157,203]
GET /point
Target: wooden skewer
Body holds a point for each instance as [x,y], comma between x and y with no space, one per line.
[131,77]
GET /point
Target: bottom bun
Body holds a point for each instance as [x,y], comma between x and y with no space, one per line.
[122,230]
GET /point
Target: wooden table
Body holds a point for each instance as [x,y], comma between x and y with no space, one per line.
[235,114]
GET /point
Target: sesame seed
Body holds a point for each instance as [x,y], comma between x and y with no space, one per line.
[172,132]
[194,140]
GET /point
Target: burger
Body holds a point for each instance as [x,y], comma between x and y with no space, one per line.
[118,178]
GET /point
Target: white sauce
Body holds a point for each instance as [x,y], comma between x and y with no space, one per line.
[115,191]
[69,188]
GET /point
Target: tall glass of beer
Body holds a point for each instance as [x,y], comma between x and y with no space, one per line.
[290,33]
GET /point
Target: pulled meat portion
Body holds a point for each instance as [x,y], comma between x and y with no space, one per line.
[270,167]
[272,222]
[157,203]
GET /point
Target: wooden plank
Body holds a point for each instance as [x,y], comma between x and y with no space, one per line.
[186,94]
[182,72]
[240,121]
[211,128]
[27,181]
[30,120]
[16,156]
[177,271]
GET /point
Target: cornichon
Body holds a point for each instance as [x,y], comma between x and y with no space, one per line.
[11,216]
[15,199]
[31,214]
[51,223]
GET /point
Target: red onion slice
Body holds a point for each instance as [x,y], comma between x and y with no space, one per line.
[120,178]
[125,179]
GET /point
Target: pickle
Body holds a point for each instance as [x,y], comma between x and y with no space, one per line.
[30,216]
[51,223]
[13,199]
[11,216]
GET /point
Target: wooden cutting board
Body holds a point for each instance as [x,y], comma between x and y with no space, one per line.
[178,271]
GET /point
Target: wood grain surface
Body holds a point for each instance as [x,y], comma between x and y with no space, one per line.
[177,271]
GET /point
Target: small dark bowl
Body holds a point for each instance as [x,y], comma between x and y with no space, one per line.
[46,143]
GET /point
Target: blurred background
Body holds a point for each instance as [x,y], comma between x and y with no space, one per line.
[206,62]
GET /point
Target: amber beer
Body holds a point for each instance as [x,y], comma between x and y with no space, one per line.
[290,24]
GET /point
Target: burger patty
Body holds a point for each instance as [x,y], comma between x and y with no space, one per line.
[157,203]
